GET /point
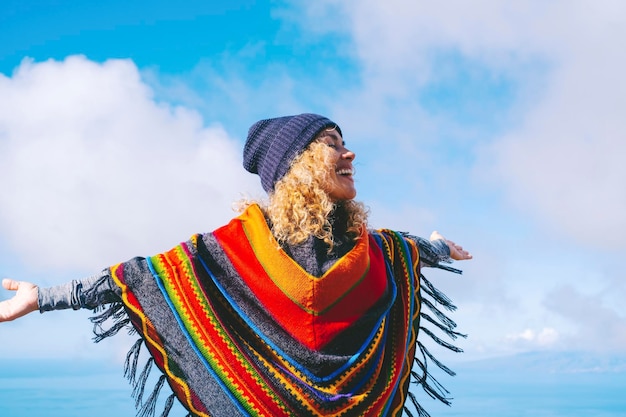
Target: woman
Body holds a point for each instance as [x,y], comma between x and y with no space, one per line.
[294,308]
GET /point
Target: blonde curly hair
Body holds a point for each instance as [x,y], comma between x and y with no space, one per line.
[300,206]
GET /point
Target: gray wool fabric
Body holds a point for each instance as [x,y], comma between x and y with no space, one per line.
[272,144]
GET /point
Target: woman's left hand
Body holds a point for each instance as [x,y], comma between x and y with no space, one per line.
[456,251]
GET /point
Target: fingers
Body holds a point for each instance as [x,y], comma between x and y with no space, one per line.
[10,284]
[24,301]
[458,247]
[457,252]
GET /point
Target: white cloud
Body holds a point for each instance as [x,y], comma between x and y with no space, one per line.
[565,165]
[96,171]
[561,160]
[557,164]
[542,338]
[597,326]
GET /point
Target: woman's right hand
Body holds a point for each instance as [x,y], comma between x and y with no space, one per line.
[25,300]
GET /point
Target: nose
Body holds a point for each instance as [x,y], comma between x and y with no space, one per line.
[348,154]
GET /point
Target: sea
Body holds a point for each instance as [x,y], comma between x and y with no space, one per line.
[532,385]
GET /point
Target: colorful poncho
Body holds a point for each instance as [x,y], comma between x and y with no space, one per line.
[238,328]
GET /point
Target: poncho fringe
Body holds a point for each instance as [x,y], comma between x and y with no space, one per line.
[210,268]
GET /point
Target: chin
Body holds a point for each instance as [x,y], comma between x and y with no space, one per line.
[344,198]
[342,195]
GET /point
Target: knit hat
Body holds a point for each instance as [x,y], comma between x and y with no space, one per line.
[273,144]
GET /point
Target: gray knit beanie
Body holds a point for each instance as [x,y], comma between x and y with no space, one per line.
[273,144]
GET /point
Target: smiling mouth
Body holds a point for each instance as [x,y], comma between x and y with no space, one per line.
[347,172]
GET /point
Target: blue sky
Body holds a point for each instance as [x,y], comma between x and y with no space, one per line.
[500,125]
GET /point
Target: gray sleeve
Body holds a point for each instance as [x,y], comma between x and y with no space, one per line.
[435,253]
[86,293]
[432,252]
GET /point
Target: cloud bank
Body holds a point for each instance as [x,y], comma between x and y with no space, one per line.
[560,157]
[96,171]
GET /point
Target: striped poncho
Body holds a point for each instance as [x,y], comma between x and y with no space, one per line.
[237,328]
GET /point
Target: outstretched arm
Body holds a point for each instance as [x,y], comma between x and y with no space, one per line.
[456,251]
[438,251]
[86,293]
[23,302]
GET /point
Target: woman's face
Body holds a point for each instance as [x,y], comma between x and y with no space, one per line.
[340,184]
